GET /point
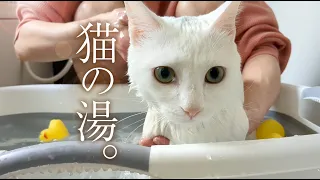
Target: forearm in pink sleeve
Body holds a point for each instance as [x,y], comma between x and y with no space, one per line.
[258,33]
[49,11]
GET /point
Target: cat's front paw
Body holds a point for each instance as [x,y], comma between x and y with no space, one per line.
[158,140]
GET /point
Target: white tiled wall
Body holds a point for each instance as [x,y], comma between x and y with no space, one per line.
[12,71]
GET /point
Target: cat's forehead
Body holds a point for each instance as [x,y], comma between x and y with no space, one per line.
[193,30]
[188,50]
[186,23]
[193,38]
[187,42]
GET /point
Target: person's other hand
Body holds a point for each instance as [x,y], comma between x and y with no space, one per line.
[117,19]
[158,140]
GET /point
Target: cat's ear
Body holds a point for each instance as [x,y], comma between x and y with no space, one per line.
[226,17]
[141,21]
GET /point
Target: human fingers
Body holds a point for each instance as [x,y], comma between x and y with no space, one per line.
[146,142]
[117,20]
[122,18]
[122,43]
[160,140]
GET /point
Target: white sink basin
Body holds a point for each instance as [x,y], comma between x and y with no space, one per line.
[26,110]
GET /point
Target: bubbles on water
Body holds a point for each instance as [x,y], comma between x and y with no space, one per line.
[126,137]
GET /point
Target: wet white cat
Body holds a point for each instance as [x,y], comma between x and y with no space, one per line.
[187,69]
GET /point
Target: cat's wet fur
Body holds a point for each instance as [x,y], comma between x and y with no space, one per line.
[190,46]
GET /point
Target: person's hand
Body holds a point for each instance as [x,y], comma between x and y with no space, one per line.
[117,19]
[158,140]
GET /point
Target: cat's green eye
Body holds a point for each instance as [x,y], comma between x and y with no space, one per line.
[164,74]
[215,75]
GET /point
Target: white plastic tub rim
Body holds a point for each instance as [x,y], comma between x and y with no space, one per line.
[290,157]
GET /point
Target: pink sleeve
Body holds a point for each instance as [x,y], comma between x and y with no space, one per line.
[49,11]
[258,33]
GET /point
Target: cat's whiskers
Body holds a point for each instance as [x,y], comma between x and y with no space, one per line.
[160,118]
[130,134]
[176,112]
[126,118]
[163,117]
[133,132]
[132,124]
[126,99]
[201,124]
[163,120]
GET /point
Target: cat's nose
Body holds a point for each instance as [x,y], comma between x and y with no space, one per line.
[191,112]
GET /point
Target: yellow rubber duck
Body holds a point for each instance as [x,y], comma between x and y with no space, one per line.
[270,128]
[56,131]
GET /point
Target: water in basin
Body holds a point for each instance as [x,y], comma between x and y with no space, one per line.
[22,130]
